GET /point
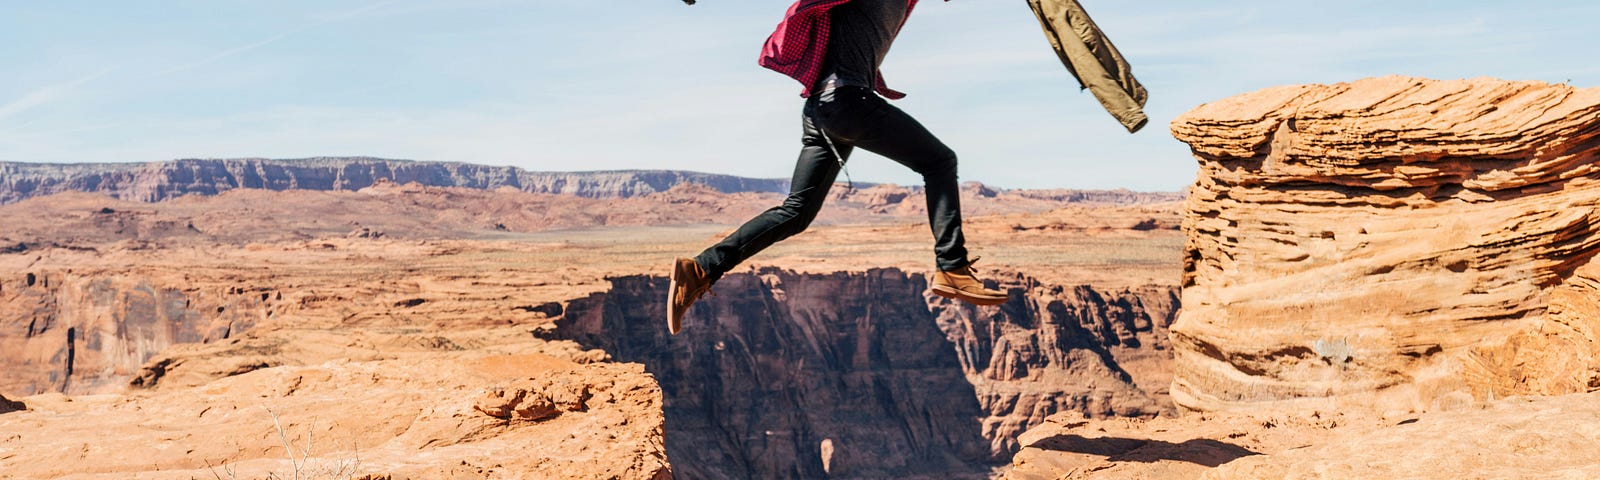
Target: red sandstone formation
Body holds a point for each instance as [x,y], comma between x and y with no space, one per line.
[1393,241]
[1371,269]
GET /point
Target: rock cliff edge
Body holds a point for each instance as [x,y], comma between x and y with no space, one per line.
[1394,242]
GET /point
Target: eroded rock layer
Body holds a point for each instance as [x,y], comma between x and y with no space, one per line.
[89,332]
[861,375]
[1395,242]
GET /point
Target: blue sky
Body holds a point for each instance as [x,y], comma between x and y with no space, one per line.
[612,84]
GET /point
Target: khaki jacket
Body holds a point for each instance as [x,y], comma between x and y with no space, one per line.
[1093,60]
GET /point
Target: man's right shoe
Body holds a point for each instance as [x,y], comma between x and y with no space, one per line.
[961,284]
[688,283]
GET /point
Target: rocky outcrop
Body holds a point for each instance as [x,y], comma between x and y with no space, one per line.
[1395,242]
[536,399]
[158,181]
[409,417]
[89,332]
[863,375]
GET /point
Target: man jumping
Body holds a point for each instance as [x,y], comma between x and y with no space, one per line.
[834,48]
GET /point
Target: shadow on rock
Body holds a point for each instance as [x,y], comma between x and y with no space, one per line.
[783,375]
[1199,451]
[8,406]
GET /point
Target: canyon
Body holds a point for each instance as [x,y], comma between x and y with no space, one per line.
[514,334]
[778,368]
[1386,278]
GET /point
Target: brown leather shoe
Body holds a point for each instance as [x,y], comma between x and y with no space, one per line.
[961,284]
[688,284]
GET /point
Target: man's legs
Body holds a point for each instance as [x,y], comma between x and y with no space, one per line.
[814,173]
[858,117]
[851,116]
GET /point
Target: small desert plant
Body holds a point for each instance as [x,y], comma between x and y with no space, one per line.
[303,467]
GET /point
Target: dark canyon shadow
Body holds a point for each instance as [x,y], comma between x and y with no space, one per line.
[778,377]
[850,375]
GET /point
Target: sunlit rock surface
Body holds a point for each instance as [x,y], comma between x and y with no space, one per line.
[1399,242]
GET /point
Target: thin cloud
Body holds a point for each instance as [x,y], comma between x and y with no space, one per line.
[230,52]
[418,8]
[353,13]
[337,17]
[47,94]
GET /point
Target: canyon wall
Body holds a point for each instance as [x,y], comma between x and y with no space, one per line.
[781,375]
[85,333]
[863,375]
[1397,243]
[157,181]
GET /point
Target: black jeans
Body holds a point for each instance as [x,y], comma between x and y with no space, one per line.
[852,117]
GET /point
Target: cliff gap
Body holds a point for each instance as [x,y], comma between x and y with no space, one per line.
[862,375]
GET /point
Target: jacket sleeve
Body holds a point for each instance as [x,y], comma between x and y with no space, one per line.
[1091,59]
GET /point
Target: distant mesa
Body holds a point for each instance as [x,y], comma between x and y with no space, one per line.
[159,181]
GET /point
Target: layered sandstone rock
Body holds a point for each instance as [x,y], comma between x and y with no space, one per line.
[1395,242]
[863,375]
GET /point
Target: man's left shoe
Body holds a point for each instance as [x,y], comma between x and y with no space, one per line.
[961,284]
[688,283]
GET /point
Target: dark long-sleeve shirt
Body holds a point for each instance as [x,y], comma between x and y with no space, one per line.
[863,31]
